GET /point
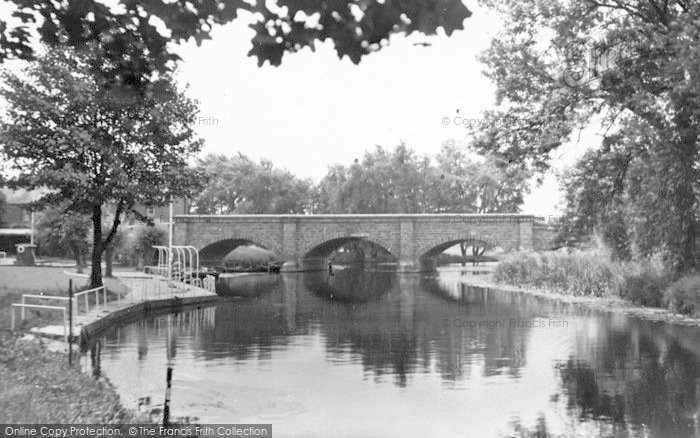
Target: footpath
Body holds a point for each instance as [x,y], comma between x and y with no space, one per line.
[97,309]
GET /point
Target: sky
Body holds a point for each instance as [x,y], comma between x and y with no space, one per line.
[316,110]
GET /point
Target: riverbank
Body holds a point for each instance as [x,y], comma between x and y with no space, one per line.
[38,386]
[607,304]
[36,383]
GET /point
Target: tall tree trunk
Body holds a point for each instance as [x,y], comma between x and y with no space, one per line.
[78,261]
[685,206]
[685,155]
[463,248]
[96,273]
[109,255]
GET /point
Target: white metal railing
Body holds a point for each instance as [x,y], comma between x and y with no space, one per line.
[41,306]
[42,297]
[155,290]
[86,297]
[180,263]
[209,283]
[156,270]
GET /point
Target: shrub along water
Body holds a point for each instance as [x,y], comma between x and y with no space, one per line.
[589,273]
[594,272]
[683,296]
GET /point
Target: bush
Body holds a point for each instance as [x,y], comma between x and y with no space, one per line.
[250,256]
[577,273]
[591,272]
[646,289]
[137,244]
[683,296]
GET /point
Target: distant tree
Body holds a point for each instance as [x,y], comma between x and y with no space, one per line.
[94,148]
[142,240]
[240,185]
[478,184]
[400,181]
[383,182]
[62,232]
[130,46]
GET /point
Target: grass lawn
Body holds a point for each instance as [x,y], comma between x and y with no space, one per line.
[18,280]
[37,385]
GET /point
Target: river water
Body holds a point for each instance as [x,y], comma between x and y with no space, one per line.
[381,354]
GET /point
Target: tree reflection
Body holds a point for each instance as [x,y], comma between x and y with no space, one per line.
[636,377]
[617,376]
[350,286]
[247,285]
[517,430]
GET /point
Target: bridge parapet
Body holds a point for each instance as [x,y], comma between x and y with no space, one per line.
[411,238]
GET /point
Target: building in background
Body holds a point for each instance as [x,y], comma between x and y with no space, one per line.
[15,219]
[161,214]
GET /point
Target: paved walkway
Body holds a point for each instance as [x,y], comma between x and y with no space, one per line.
[141,288]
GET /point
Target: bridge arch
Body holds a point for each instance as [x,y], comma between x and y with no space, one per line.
[213,252]
[325,245]
[436,246]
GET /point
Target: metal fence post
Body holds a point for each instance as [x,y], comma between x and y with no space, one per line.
[65,324]
[70,321]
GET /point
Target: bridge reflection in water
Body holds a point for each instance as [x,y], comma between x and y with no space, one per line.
[313,354]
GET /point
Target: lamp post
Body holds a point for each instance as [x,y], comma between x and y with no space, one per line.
[170,241]
[31,221]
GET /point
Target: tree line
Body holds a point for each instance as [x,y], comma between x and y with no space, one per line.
[386,180]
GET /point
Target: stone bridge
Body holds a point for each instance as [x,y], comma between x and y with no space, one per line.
[304,242]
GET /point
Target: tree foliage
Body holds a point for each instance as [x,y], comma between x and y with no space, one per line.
[400,181]
[240,185]
[131,40]
[140,240]
[632,65]
[61,232]
[93,148]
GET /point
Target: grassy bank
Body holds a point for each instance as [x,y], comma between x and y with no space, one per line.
[593,273]
[18,280]
[36,384]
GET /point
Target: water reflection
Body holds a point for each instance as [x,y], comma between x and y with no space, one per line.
[313,354]
[350,286]
[633,378]
[246,285]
